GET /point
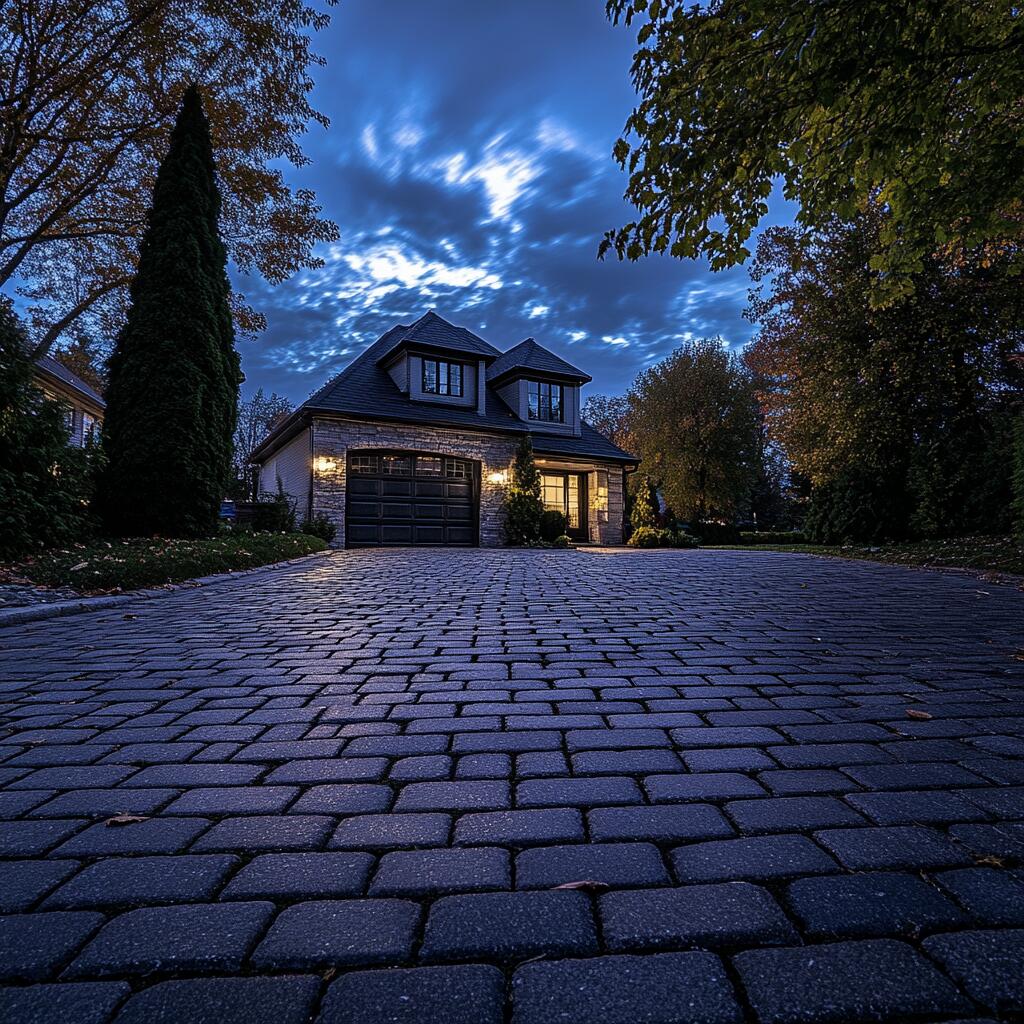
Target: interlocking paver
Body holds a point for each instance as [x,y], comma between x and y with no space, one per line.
[713,747]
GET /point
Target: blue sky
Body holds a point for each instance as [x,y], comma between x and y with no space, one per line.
[468,168]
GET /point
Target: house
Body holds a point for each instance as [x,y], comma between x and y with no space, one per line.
[413,441]
[83,405]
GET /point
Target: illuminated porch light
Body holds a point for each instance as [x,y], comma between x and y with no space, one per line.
[498,476]
[325,464]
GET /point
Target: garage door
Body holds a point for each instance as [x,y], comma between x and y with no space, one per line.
[410,498]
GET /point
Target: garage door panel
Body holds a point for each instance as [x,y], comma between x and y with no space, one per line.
[402,498]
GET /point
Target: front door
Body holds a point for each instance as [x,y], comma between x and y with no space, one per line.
[567,493]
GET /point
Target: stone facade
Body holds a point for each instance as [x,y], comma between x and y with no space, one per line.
[333,437]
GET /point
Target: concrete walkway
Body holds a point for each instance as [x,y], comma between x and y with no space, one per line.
[477,787]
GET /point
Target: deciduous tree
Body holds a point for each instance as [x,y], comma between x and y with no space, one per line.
[174,374]
[88,96]
[256,418]
[914,107]
[694,420]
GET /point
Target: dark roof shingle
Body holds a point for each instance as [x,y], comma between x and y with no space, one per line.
[528,355]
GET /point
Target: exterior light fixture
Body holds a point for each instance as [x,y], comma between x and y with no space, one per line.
[498,476]
[324,464]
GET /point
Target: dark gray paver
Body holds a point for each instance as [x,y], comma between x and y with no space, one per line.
[301,876]
[877,979]
[343,932]
[986,963]
[285,1000]
[87,1002]
[36,946]
[512,925]
[717,741]
[734,914]
[422,995]
[200,938]
[663,988]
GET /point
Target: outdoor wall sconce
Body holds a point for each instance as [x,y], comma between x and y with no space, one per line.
[324,464]
[498,476]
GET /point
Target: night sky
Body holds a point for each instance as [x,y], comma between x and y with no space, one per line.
[468,168]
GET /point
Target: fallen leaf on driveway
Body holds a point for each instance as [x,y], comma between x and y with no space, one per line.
[914,713]
[126,819]
[586,885]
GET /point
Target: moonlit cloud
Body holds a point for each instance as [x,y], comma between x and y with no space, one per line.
[468,168]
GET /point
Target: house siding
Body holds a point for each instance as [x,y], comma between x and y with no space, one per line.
[291,464]
[333,437]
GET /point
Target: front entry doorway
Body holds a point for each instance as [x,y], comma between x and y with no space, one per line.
[567,493]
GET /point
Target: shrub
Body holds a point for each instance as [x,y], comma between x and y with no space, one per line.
[716,533]
[864,504]
[552,524]
[645,505]
[523,507]
[656,537]
[319,526]
[274,513]
[45,485]
[562,542]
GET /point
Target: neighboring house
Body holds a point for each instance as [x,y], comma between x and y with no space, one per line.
[413,441]
[83,405]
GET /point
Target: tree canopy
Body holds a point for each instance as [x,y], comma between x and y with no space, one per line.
[88,96]
[916,108]
[173,395]
[694,424]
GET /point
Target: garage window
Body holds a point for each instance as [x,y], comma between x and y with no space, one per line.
[365,464]
[396,465]
[428,465]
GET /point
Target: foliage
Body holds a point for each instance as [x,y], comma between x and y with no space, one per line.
[523,506]
[562,541]
[912,107]
[275,512]
[644,505]
[659,537]
[174,373]
[553,524]
[715,533]
[609,415]
[1018,475]
[695,425]
[45,485]
[84,357]
[257,416]
[773,537]
[93,89]
[895,415]
[319,526]
[129,564]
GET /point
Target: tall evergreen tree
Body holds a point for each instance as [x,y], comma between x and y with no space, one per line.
[172,400]
[523,505]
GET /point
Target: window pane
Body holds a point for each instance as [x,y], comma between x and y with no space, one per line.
[396,465]
[365,464]
[534,400]
[552,492]
[428,465]
[556,403]
[455,379]
[574,501]
[456,469]
[430,376]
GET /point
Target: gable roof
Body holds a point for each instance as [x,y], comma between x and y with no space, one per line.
[433,331]
[365,390]
[528,355]
[50,367]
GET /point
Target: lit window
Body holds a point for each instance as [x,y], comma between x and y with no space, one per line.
[441,378]
[545,402]
[365,464]
[396,465]
[428,465]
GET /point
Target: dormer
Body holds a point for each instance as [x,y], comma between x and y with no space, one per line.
[435,362]
[539,387]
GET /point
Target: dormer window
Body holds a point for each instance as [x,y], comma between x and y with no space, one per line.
[442,378]
[546,402]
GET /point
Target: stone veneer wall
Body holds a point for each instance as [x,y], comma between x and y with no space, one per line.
[332,437]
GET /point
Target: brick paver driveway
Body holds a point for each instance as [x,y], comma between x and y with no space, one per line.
[472,787]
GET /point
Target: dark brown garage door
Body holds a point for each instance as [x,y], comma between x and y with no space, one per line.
[410,498]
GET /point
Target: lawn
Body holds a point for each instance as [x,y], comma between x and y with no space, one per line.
[129,564]
[992,554]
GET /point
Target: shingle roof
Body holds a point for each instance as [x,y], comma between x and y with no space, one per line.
[365,389]
[435,332]
[528,355]
[55,369]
